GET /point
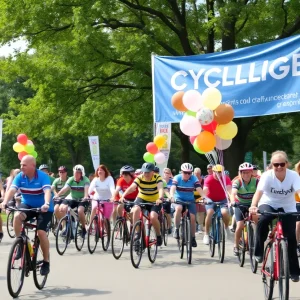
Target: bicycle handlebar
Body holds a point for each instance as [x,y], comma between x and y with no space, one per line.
[37,209]
[279,213]
[240,205]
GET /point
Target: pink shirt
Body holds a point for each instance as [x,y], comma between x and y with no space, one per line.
[215,190]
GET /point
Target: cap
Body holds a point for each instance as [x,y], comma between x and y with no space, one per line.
[218,168]
[42,167]
[147,167]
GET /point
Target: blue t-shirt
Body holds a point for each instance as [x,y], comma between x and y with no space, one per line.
[185,189]
[33,191]
[169,184]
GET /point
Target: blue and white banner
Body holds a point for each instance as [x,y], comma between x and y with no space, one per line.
[257,81]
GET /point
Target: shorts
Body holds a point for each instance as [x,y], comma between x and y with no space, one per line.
[200,208]
[58,202]
[212,206]
[128,206]
[191,207]
[43,219]
[167,207]
[298,210]
[240,213]
[75,204]
[149,208]
[107,207]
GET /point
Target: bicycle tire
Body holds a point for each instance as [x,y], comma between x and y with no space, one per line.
[284,272]
[152,245]
[66,239]
[212,238]
[188,235]
[88,215]
[19,242]
[221,239]
[242,249]
[37,265]
[136,245]
[54,224]
[93,235]
[181,238]
[165,233]
[251,243]
[106,234]
[9,224]
[268,286]
[119,234]
[162,226]
[79,241]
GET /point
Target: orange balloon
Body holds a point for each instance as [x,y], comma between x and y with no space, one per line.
[224,113]
[177,101]
[206,141]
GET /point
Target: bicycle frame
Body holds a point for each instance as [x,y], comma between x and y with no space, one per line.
[216,216]
[100,216]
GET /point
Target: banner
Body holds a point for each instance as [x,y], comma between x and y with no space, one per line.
[164,129]
[95,151]
[1,126]
[257,81]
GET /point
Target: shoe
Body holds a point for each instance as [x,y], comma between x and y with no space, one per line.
[64,233]
[295,278]
[176,234]
[137,245]
[259,259]
[170,231]
[206,239]
[45,268]
[1,236]
[83,233]
[236,251]
[232,228]
[18,254]
[194,243]
[159,240]
[200,229]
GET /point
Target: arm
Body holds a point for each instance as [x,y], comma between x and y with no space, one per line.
[9,195]
[112,188]
[200,191]
[86,191]
[118,189]
[172,191]
[63,190]
[233,195]
[228,189]
[92,186]
[205,190]
[253,208]
[130,190]
[160,188]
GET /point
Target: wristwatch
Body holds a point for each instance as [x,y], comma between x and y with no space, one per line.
[47,203]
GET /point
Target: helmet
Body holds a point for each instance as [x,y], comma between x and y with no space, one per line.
[218,168]
[147,167]
[138,171]
[209,166]
[79,168]
[156,169]
[245,167]
[187,167]
[127,168]
[255,167]
[43,167]
[227,172]
[63,168]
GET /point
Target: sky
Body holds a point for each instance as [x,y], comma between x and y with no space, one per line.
[6,50]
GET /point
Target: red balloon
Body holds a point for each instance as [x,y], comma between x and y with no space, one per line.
[152,148]
[192,139]
[21,154]
[210,127]
[22,138]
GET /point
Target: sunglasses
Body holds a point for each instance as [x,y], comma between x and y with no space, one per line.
[276,165]
[187,173]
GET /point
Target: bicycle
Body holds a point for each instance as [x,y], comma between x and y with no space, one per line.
[163,220]
[275,266]
[69,227]
[121,235]
[247,240]
[31,259]
[145,240]
[99,228]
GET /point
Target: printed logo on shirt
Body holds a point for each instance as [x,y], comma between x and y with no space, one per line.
[282,191]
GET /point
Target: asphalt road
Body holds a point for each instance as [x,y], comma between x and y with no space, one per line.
[79,275]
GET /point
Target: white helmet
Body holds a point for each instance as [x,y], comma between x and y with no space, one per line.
[187,167]
[79,168]
[245,167]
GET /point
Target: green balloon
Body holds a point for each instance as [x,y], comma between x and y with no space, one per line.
[197,149]
[29,148]
[148,157]
[191,113]
[34,154]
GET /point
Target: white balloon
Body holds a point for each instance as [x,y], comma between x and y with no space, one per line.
[190,126]
[205,116]
[211,98]
[192,100]
[159,158]
[222,144]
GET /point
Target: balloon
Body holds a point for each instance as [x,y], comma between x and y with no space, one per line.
[212,98]
[148,157]
[18,147]
[197,149]
[192,100]
[151,148]
[222,144]
[22,138]
[159,158]
[34,154]
[205,141]
[29,148]
[21,155]
[210,127]
[191,113]
[159,141]
[205,116]
[192,139]
[29,142]
[177,101]
[190,126]
[224,113]
[227,131]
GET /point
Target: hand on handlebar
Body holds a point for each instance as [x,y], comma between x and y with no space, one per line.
[44,208]
[253,210]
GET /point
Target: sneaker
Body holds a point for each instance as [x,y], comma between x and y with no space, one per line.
[137,242]
[206,239]
[194,243]
[259,259]
[176,234]
[18,254]
[1,236]
[170,231]
[45,268]
[64,233]
[83,233]
[295,278]
[159,240]
[236,251]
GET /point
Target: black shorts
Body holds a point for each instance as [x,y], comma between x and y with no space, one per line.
[298,210]
[128,206]
[167,207]
[240,213]
[149,208]
[43,219]
[58,202]
[75,204]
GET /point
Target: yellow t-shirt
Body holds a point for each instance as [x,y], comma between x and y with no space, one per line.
[148,189]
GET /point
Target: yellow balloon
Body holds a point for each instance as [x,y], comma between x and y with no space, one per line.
[227,131]
[212,98]
[18,147]
[159,141]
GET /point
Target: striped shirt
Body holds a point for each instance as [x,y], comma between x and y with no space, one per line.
[245,192]
[148,189]
[185,189]
[77,188]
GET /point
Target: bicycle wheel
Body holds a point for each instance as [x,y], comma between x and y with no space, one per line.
[152,246]
[136,245]
[268,271]
[181,241]
[79,240]
[212,239]
[105,237]
[188,241]
[242,249]
[54,224]
[37,261]
[284,272]
[251,243]
[63,235]
[118,238]
[16,268]
[88,215]
[93,235]
[165,233]
[10,224]
[221,239]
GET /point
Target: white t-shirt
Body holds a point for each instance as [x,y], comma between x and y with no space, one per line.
[279,194]
[103,189]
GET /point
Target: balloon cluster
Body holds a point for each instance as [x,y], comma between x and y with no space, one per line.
[153,154]
[206,121]
[24,146]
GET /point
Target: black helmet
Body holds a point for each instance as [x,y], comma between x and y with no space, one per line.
[63,168]
[42,167]
[156,169]
[147,167]
[127,168]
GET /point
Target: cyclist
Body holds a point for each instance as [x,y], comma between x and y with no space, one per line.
[44,168]
[216,187]
[243,189]
[200,216]
[183,189]
[255,171]
[209,170]
[151,190]
[78,185]
[276,191]
[36,193]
